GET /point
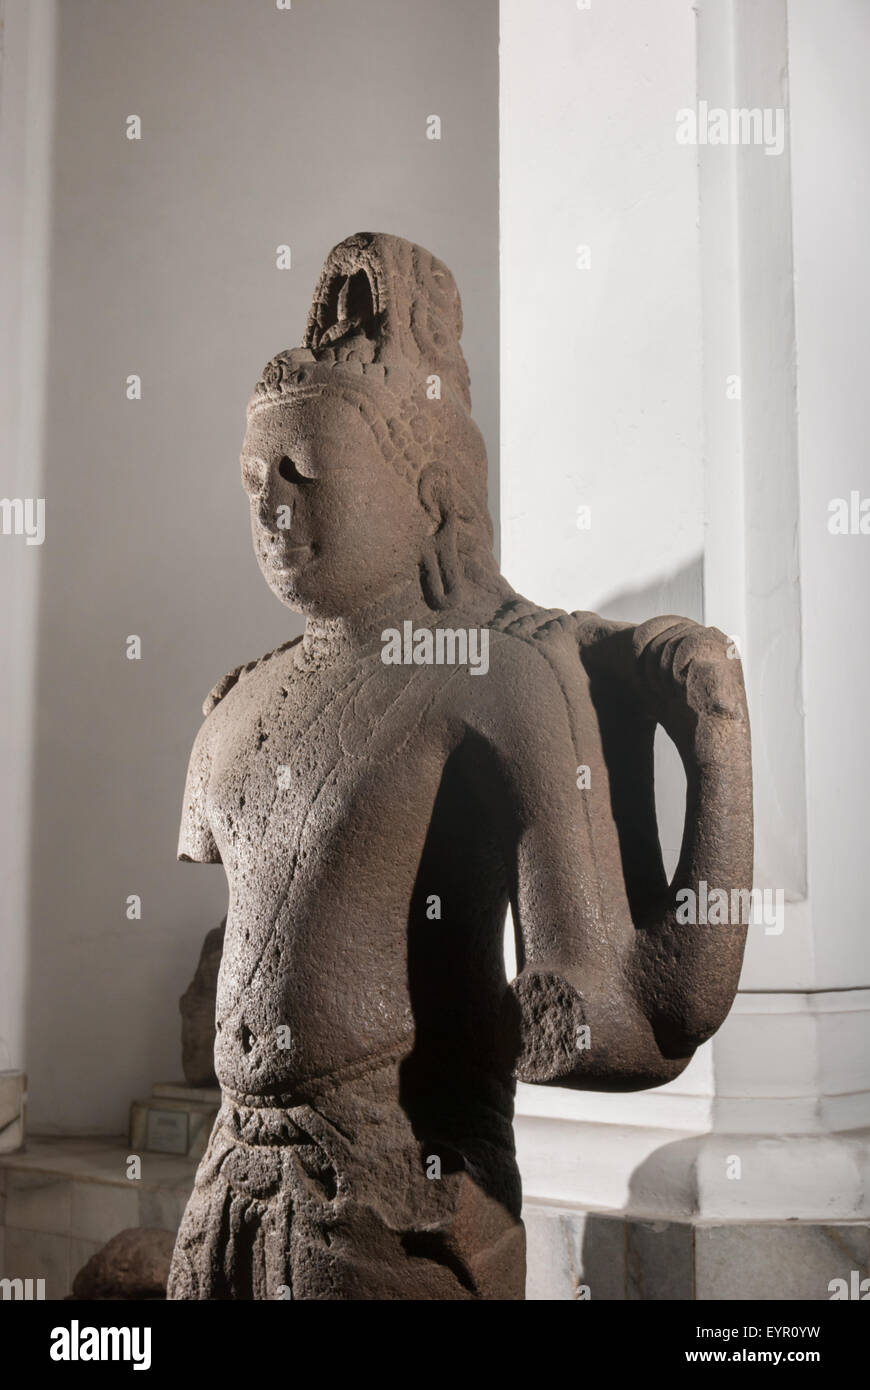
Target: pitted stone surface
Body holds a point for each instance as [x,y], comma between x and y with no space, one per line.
[133,1265]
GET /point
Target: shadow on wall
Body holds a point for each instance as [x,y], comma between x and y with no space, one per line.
[629,1259]
[682,594]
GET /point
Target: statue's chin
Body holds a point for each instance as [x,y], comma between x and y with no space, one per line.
[289,586]
[305,591]
[301,602]
[294,593]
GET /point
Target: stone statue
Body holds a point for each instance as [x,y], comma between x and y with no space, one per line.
[434,749]
[197,1008]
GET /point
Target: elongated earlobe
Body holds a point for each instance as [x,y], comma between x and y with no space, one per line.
[439,562]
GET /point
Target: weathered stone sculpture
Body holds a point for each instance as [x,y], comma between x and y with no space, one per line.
[133,1265]
[197,1008]
[381,790]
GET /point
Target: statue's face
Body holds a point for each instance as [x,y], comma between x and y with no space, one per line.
[334,526]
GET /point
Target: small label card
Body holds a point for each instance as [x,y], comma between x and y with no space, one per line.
[173,1121]
[167,1131]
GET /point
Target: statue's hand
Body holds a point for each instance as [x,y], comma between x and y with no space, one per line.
[686,675]
[698,666]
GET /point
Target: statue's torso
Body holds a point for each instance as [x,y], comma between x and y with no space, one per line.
[338,829]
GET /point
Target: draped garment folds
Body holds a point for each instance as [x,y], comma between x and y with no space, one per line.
[344,1197]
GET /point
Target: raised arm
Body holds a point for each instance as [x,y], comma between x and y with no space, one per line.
[612,991]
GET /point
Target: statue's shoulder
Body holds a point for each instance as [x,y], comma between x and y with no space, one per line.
[227,682]
[532,649]
[523,632]
[527,622]
[556,634]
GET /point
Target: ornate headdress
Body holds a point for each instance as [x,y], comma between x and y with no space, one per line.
[383,332]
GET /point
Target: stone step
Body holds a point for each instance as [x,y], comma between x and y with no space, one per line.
[61,1199]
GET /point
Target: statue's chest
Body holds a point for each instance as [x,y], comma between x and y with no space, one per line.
[302,755]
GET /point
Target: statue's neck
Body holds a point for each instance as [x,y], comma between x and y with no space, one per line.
[330,640]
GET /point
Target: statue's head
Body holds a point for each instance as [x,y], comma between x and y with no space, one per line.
[362,462]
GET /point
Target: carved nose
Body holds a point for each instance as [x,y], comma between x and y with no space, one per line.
[267,508]
[266,511]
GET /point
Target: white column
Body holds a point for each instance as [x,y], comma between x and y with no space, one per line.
[707,265]
[601,406]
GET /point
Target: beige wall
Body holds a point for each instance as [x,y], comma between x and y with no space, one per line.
[259,127]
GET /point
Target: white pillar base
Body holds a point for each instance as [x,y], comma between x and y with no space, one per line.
[580,1255]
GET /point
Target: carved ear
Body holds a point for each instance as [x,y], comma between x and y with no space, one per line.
[439,565]
[436,494]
